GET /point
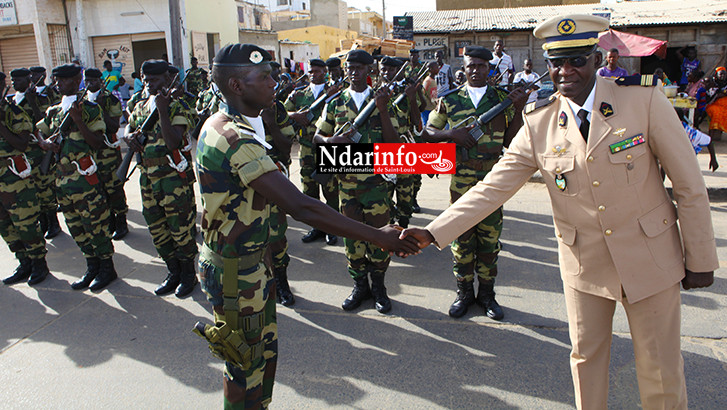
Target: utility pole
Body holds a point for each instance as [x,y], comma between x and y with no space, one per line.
[175,32]
[383,19]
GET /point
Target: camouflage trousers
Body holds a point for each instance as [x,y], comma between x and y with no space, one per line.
[253,387]
[417,186]
[19,210]
[475,251]
[87,214]
[278,243]
[365,198]
[310,186]
[45,184]
[108,160]
[170,214]
[404,190]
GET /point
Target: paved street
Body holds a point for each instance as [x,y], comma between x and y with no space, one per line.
[127,348]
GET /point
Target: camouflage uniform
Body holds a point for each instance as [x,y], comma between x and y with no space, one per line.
[195,80]
[405,183]
[19,207]
[476,250]
[50,92]
[207,100]
[297,100]
[81,198]
[167,197]
[363,197]
[236,224]
[108,157]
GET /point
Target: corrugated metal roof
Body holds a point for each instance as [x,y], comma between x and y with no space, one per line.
[631,13]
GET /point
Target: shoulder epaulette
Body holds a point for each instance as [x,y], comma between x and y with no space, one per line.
[530,107]
[452,91]
[645,80]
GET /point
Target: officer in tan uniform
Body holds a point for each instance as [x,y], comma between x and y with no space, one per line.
[618,238]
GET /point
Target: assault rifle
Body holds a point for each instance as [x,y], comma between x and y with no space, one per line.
[419,77]
[476,131]
[322,100]
[60,132]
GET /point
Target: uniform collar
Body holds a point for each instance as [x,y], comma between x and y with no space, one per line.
[242,122]
[587,105]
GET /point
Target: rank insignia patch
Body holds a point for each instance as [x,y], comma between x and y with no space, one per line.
[627,143]
[606,109]
[562,119]
[620,132]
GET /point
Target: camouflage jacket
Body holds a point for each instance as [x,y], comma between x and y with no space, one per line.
[455,107]
[155,147]
[301,100]
[43,104]
[73,144]
[135,98]
[196,80]
[286,128]
[208,100]
[16,120]
[108,102]
[53,95]
[235,220]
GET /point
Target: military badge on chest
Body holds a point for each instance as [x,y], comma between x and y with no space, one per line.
[562,119]
[560,182]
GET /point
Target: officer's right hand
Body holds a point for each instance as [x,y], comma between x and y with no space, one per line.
[697,279]
[462,137]
[390,240]
[132,141]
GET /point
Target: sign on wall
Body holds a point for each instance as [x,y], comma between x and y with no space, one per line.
[199,48]
[427,46]
[8,16]
[404,27]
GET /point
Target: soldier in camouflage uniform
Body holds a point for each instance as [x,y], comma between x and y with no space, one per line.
[167,197]
[35,104]
[108,157]
[476,250]
[189,102]
[363,197]
[80,191]
[414,67]
[196,78]
[37,76]
[334,70]
[298,106]
[19,207]
[238,183]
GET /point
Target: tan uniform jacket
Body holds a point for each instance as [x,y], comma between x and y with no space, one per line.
[615,224]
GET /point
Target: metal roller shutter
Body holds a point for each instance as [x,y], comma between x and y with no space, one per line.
[18,52]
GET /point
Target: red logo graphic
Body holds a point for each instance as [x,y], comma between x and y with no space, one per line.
[415,158]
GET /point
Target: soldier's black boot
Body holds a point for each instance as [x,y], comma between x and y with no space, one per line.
[92,265]
[188,279]
[403,222]
[173,277]
[106,275]
[282,288]
[21,273]
[312,235]
[54,227]
[383,303]
[415,207]
[465,298]
[486,299]
[39,271]
[361,292]
[121,228]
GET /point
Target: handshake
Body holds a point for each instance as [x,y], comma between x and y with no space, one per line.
[403,242]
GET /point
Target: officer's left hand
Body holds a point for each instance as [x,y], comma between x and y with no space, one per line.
[697,279]
[76,112]
[519,97]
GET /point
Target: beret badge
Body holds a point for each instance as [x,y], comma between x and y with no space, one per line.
[256,57]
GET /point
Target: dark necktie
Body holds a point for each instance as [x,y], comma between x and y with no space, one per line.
[585,125]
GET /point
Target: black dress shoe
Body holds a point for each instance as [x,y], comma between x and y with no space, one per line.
[331,239]
[312,235]
[21,273]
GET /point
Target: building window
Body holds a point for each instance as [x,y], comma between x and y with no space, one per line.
[303,6]
[283,2]
[258,16]
[240,14]
[60,44]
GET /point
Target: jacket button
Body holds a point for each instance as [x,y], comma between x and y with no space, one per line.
[596,183]
[608,232]
[666,222]
[560,235]
[557,170]
[590,158]
[628,156]
[601,208]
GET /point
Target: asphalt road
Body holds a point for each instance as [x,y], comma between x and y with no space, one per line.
[124,347]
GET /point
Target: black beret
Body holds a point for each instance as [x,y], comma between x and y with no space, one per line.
[479,52]
[93,73]
[275,64]
[317,62]
[173,70]
[241,55]
[37,69]
[413,51]
[154,67]
[67,70]
[359,56]
[333,62]
[2,75]
[20,72]
[391,61]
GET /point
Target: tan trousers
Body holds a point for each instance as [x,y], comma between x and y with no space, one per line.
[655,330]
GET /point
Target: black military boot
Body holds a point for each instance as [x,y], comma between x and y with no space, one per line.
[282,288]
[173,277]
[312,235]
[415,207]
[465,298]
[361,292]
[88,277]
[121,228]
[188,278]
[486,299]
[43,221]
[39,271]
[106,275]
[21,273]
[54,227]
[383,303]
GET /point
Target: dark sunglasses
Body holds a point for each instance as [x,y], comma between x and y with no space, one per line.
[576,62]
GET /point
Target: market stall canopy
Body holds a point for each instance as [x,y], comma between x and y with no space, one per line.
[631,45]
